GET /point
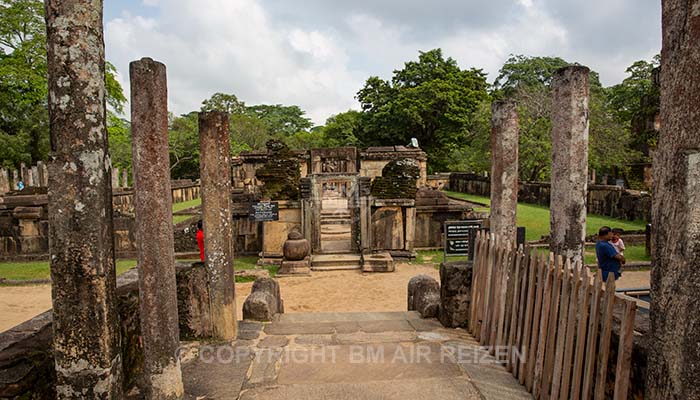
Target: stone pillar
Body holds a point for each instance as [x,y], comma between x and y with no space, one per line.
[154,229]
[4,181]
[86,342]
[215,173]
[28,177]
[570,97]
[115,178]
[15,179]
[23,173]
[41,170]
[125,178]
[674,354]
[504,169]
[35,176]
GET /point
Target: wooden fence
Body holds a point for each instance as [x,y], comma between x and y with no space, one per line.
[549,321]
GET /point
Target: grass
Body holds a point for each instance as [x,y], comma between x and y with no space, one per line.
[433,257]
[22,271]
[632,253]
[186,204]
[535,218]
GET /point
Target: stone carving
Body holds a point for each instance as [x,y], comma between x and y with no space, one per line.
[264,301]
[296,255]
[398,180]
[424,296]
[280,174]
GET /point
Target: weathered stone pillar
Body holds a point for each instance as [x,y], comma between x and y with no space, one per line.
[15,179]
[86,343]
[41,169]
[154,229]
[504,169]
[115,177]
[28,177]
[674,353]
[570,89]
[35,176]
[4,181]
[125,178]
[215,173]
[23,173]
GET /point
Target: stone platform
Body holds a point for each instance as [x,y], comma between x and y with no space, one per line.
[388,355]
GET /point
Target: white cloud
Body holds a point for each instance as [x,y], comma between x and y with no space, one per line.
[213,46]
[318,56]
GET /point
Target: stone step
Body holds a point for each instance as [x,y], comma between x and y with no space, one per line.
[336,229]
[339,221]
[335,262]
[340,245]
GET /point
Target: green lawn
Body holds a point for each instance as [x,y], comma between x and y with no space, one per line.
[22,271]
[185,205]
[40,269]
[535,218]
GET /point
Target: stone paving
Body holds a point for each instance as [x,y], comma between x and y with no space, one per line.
[383,355]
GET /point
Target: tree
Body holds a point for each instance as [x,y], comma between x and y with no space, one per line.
[24,126]
[183,140]
[281,120]
[341,129]
[225,103]
[431,99]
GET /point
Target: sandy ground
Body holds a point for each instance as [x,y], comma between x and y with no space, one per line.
[323,291]
[341,291]
[20,303]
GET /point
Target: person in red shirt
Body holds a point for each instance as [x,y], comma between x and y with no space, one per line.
[200,239]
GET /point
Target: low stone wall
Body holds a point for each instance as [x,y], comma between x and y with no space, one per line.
[26,357]
[24,225]
[611,201]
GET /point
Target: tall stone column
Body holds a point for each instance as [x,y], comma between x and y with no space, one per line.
[41,169]
[4,181]
[215,174]
[86,343]
[570,92]
[125,178]
[115,177]
[154,229]
[674,353]
[15,179]
[504,169]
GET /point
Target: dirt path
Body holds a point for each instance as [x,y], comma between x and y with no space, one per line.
[323,291]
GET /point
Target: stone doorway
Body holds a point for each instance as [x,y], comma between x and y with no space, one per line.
[335,223]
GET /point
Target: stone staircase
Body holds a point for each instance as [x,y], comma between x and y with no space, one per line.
[336,262]
[336,230]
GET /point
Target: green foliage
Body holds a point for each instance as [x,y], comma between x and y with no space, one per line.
[223,102]
[183,140]
[24,126]
[281,121]
[341,129]
[119,132]
[526,72]
[635,101]
[431,99]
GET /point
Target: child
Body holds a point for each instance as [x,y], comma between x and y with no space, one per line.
[617,242]
[200,240]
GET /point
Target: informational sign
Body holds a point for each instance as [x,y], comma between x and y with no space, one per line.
[460,237]
[264,211]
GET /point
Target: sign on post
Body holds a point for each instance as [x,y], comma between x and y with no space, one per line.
[264,211]
[460,237]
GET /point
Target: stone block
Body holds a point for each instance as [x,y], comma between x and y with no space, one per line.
[27,212]
[193,301]
[424,296]
[387,226]
[378,262]
[291,268]
[29,227]
[455,293]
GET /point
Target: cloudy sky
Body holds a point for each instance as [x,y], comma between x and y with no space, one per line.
[318,53]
